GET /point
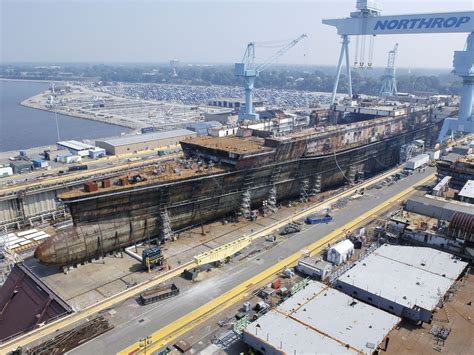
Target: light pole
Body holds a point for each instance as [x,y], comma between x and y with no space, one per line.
[143,343]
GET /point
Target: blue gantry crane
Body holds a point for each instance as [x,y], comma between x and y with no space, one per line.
[249,71]
[368,21]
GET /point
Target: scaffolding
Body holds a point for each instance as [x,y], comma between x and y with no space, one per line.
[272,200]
[304,191]
[316,189]
[10,258]
[166,231]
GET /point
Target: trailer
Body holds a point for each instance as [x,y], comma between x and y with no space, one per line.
[158,294]
[417,162]
[318,219]
[77,168]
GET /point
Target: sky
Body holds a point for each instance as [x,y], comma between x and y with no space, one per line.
[116,31]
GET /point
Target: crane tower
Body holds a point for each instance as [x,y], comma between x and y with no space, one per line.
[389,84]
[249,71]
[369,21]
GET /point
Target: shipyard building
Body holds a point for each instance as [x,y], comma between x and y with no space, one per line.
[409,282]
[148,141]
[320,318]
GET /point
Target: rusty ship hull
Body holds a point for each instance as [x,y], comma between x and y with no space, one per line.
[107,221]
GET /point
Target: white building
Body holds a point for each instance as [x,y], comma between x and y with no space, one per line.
[314,267]
[406,281]
[5,170]
[76,147]
[467,192]
[320,319]
[340,252]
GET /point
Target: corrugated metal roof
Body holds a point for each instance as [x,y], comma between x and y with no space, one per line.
[76,145]
[147,137]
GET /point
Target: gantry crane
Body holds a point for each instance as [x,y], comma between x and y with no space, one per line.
[389,83]
[250,72]
[368,21]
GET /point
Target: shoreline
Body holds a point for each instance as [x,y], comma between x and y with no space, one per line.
[29,80]
[115,122]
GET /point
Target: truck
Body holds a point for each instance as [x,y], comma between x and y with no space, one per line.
[158,294]
[417,162]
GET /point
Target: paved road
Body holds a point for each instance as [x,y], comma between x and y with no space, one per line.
[134,321]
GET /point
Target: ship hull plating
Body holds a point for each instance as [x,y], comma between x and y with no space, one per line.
[107,223]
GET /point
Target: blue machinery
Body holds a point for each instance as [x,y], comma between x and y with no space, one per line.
[249,72]
[367,21]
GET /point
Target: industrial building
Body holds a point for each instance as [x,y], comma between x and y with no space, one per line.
[409,282]
[21,166]
[436,207]
[320,319]
[234,103]
[314,268]
[460,171]
[455,236]
[201,128]
[221,117]
[156,140]
[467,192]
[75,147]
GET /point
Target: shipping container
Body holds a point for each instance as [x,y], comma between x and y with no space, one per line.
[38,163]
[97,153]
[148,130]
[417,162]
[106,183]
[91,186]
[5,171]
[318,219]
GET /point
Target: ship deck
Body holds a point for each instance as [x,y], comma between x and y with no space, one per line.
[230,144]
[169,171]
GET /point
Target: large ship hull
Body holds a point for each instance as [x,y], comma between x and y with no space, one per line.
[110,221]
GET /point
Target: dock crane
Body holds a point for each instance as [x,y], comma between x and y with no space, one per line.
[389,84]
[369,21]
[249,71]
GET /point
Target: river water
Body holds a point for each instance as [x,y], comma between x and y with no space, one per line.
[23,127]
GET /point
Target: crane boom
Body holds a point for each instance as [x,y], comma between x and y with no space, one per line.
[278,54]
[249,72]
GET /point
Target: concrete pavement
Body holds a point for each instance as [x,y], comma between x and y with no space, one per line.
[133,321]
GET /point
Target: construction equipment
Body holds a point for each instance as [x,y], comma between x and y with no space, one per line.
[367,21]
[249,71]
[152,257]
[463,67]
[389,83]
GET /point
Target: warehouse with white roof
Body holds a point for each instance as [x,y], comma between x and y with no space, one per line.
[147,141]
[323,320]
[403,280]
